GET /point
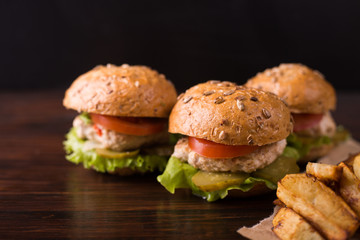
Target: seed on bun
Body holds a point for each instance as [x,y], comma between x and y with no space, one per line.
[303,89]
[229,114]
[310,99]
[136,91]
[233,140]
[122,126]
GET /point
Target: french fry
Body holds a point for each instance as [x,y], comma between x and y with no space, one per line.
[288,225]
[325,173]
[356,165]
[319,205]
[279,203]
[350,188]
[350,161]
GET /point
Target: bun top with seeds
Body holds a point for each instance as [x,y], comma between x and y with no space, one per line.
[303,89]
[225,113]
[135,91]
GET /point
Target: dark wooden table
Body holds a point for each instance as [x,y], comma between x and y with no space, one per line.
[43,196]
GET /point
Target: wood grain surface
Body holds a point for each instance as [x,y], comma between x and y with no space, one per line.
[43,196]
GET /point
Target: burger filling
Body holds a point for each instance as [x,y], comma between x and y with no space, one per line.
[314,131]
[100,137]
[314,125]
[211,177]
[108,144]
[259,158]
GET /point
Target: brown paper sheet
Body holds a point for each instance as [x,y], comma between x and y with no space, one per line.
[262,230]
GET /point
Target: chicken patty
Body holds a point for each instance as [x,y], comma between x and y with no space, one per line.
[113,140]
[258,159]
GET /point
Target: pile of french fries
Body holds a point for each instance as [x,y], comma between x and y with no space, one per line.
[323,203]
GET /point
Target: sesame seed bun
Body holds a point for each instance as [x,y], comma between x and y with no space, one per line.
[225,113]
[135,91]
[303,89]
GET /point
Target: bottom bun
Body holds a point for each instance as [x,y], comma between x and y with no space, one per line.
[316,153]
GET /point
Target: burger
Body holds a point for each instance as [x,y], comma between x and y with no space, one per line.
[310,99]
[122,123]
[233,141]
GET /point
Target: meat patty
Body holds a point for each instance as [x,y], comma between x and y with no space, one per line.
[116,141]
[258,159]
[326,127]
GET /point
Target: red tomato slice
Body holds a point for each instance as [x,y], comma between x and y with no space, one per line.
[304,121]
[216,150]
[137,126]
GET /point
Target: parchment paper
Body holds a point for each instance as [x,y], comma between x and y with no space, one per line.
[262,230]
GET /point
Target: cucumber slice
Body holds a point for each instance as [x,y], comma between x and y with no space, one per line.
[213,181]
[278,169]
[113,154]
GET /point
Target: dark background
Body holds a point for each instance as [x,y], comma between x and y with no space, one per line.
[47,44]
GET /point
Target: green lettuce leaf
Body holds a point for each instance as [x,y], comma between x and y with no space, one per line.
[85,117]
[174,138]
[341,135]
[179,174]
[291,152]
[304,144]
[142,163]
